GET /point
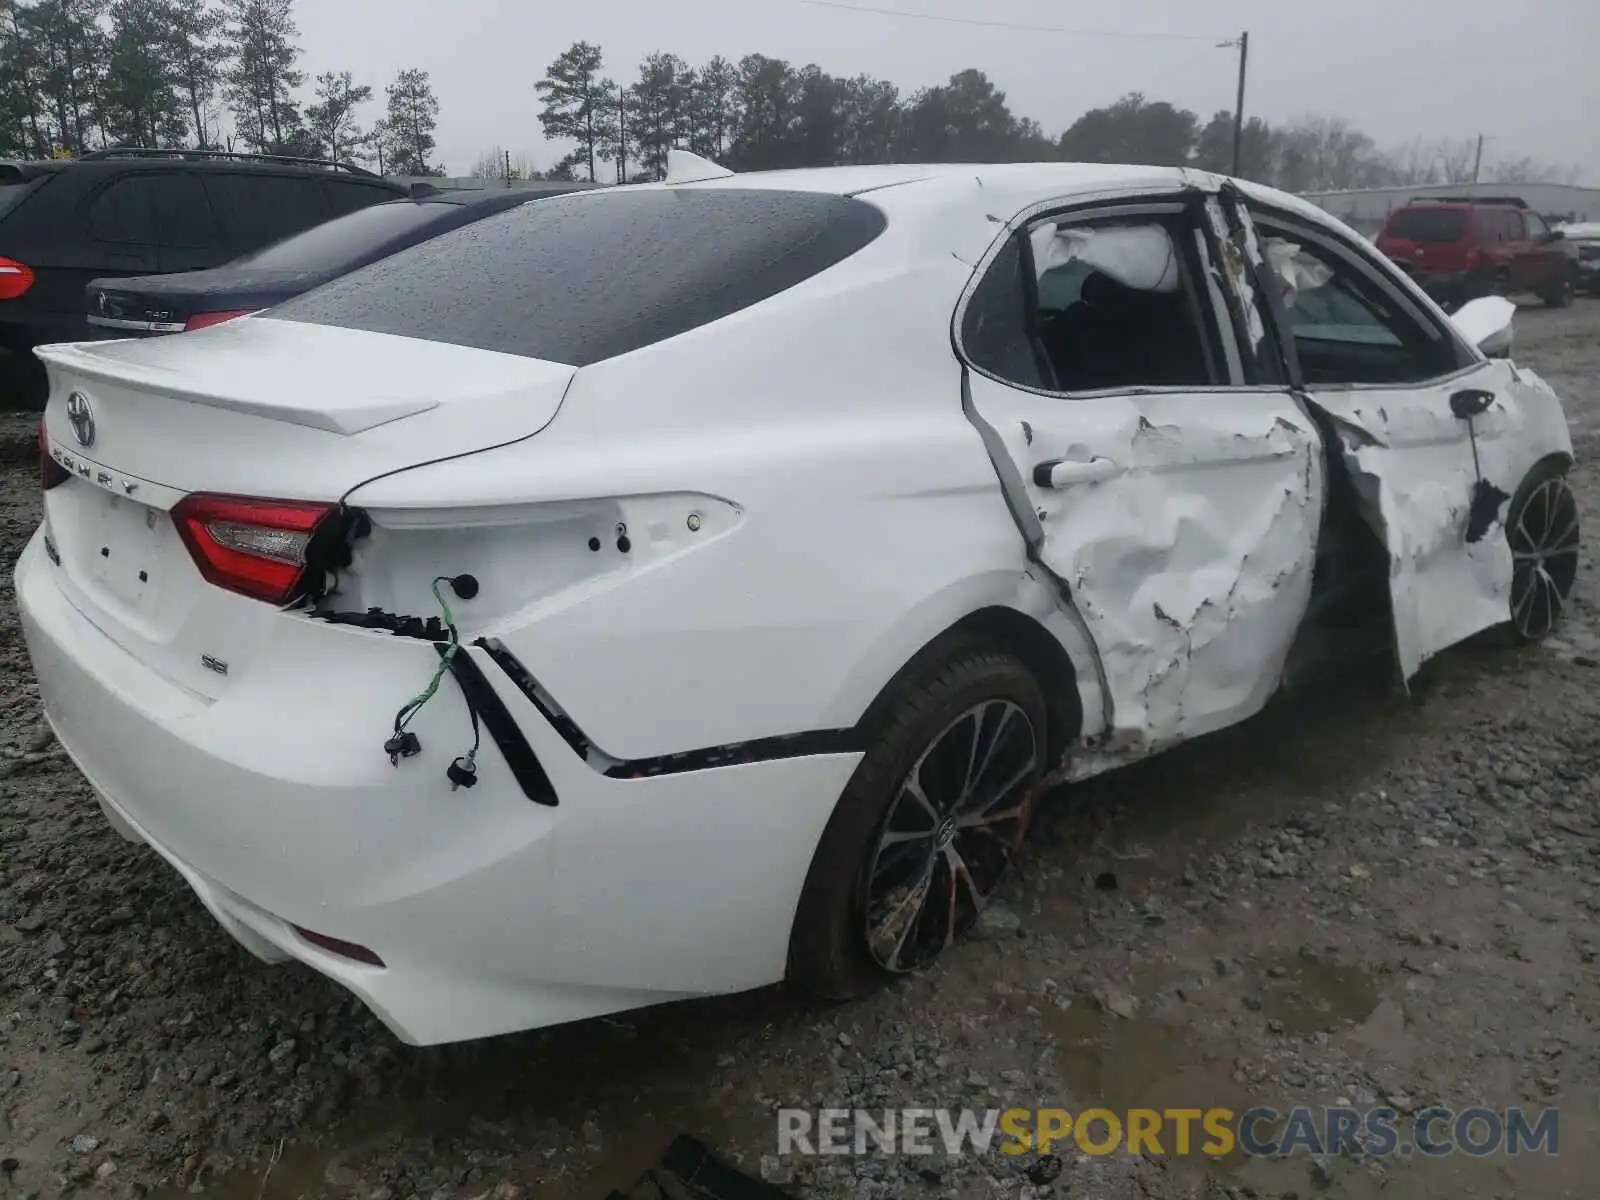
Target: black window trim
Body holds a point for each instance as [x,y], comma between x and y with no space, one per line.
[1383,275]
[1175,202]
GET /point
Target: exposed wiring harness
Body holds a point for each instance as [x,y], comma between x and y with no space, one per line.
[463,771]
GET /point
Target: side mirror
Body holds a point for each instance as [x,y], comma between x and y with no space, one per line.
[1486,323]
[1555,235]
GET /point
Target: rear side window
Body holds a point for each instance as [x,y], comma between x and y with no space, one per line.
[123,212]
[346,197]
[578,279]
[1429,224]
[257,210]
[182,213]
[349,239]
[994,329]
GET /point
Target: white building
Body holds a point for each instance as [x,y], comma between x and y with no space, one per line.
[1367,208]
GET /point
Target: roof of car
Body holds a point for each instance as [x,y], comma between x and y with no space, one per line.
[33,168]
[1011,185]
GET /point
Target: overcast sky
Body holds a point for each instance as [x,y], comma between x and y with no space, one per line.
[1527,77]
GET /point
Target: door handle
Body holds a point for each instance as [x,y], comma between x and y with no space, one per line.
[1064,472]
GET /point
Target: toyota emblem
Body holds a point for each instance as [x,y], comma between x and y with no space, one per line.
[82,418]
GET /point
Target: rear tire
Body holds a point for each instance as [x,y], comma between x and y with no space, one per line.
[1560,294]
[927,827]
[1542,528]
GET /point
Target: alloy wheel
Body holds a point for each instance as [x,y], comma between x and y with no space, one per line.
[949,835]
[1544,551]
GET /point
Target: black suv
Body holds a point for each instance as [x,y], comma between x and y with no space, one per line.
[133,212]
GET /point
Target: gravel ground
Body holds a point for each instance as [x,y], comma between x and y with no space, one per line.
[1374,897]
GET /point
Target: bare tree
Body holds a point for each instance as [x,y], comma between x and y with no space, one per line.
[1457,160]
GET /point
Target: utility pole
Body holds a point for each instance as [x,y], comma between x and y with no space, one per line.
[1238,108]
[622,134]
[508,168]
[1477,161]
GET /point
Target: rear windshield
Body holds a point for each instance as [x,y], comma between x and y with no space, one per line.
[345,241]
[1428,224]
[581,278]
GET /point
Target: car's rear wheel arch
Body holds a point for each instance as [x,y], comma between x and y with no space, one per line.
[997,627]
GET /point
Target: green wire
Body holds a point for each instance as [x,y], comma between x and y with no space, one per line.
[413,706]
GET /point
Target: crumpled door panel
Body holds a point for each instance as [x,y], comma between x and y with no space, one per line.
[1411,462]
[1413,470]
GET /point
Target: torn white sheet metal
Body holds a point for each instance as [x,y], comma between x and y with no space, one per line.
[1411,461]
[1139,256]
[1237,270]
[1184,527]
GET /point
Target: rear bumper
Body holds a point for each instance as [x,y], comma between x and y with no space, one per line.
[490,913]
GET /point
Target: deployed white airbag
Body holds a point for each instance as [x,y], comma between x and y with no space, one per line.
[1138,256]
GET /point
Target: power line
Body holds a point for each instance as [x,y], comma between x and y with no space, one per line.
[1095,33]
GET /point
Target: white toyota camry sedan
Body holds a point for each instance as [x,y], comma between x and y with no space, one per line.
[674,589]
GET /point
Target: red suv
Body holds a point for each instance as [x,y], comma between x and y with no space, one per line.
[1460,249]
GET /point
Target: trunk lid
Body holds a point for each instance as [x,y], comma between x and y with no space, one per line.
[162,303]
[260,408]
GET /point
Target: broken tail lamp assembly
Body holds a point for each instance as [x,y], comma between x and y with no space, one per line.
[262,549]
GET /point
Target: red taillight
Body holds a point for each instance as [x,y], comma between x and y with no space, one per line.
[15,278]
[202,320]
[51,473]
[254,547]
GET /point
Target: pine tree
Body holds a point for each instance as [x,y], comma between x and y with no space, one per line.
[68,56]
[330,121]
[579,106]
[138,104]
[413,116]
[261,79]
[196,58]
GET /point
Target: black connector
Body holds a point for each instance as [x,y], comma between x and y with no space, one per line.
[402,745]
[465,586]
[461,773]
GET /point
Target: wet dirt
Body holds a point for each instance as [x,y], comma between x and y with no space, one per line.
[1359,896]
